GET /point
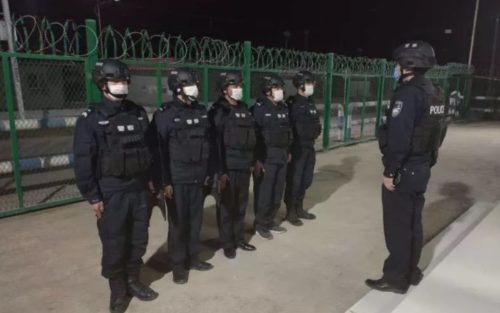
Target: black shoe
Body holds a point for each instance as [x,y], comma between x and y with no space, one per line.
[201,266]
[119,299]
[246,246]
[294,220]
[180,276]
[277,229]
[383,285]
[118,305]
[230,253]
[416,278]
[306,215]
[264,233]
[142,292]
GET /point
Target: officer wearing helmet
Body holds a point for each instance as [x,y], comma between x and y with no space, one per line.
[233,128]
[183,142]
[271,155]
[409,141]
[306,127]
[111,171]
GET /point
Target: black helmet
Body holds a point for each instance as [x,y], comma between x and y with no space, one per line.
[303,77]
[228,78]
[110,69]
[271,81]
[415,54]
[181,77]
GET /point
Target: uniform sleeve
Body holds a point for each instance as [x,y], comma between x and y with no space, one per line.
[401,123]
[258,114]
[85,157]
[161,121]
[219,153]
[153,145]
[293,113]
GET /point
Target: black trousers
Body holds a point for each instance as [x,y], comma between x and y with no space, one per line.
[403,224]
[185,215]
[299,178]
[232,207]
[123,230]
[268,192]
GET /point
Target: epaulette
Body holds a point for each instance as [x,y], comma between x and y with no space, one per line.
[87,112]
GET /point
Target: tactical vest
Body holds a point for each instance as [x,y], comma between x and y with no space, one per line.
[188,142]
[123,150]
[430,130]
[307,122]
[239,137]
[276,129]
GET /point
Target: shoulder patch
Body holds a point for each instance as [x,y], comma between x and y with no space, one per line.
[398,107]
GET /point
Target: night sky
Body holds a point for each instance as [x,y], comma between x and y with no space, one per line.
[351,27]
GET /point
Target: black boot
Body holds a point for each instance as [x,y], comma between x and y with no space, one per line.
[137,289]
[291,215]
[301,213]
[119,299]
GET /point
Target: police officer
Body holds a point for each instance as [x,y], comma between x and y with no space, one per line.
[306,127]
[409,141]
[234,130]
[183,126]
[271,155]
[111,165]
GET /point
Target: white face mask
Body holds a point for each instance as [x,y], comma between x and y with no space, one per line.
[118,91]
[237,94]
[308,90]
[278,95]
[191,92]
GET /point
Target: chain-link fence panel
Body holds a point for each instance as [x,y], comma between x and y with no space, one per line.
[53,95]
[8,195]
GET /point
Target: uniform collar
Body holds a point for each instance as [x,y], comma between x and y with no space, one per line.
[266,101]
[109,108]
[179,104]
[222,101]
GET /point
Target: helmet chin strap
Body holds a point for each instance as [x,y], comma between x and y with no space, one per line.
[406,75]
[114,97]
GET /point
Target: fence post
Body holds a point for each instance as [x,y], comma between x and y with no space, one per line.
[380,93]
[159,87]
[93,94]
[328,102]
[363,108]
[9,98]
[467,95]
[347,100]
[446,86]
[247,77]
[205,86]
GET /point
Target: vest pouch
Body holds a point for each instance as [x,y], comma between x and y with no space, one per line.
[278,138]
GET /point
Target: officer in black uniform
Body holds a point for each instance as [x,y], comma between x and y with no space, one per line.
[306,127]
[409,141]
[234,142]
[183,126]
[271,155]
[111,165]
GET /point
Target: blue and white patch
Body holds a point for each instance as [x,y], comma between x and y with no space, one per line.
[398,107]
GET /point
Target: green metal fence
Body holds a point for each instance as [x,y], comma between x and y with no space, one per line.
[54,63]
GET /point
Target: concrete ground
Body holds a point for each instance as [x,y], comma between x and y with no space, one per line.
[49,260]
